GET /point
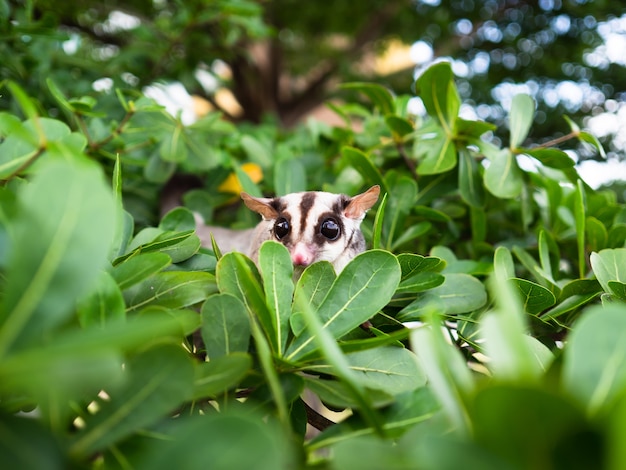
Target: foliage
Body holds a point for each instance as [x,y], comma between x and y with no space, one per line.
[124,343]
[286,64]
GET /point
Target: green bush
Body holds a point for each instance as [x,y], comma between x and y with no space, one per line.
[125,344]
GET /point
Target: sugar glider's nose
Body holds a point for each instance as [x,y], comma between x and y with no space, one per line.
[302,255]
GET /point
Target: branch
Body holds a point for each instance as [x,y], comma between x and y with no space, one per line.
[315,419]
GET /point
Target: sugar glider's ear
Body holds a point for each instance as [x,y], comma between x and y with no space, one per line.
[359,205]
[262,205]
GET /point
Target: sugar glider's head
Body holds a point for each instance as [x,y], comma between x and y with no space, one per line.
[316,226]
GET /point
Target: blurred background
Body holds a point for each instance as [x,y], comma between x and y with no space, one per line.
[282,60]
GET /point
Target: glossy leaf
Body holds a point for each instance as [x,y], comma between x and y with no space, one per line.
[400,127]
[172,289]
[438,92]
[609,265]
[277,273]
[379,95]
[520,118]
[179,219]
[503,263]
[535,298]
[138,268]
[459,293]
[364,286]
[503,178]
[470,181]
[436,155]
[220,375]
[104,304]
[363,164]
[225,326]
[553,158]
[392,370]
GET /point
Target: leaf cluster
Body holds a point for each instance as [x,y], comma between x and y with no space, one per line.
[487,318]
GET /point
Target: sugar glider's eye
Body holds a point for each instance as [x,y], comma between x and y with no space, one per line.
[330,229]
[281,228]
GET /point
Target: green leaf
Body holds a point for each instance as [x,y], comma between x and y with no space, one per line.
[289,176]
[569,304]
[401,200]
[594,364]
[597,235]
[103,305]
[173,148]
[520,119]
[139,267]
[60,243]
[503,263]
[510,421]
[378,223]
[470,181]
[616,236]
[246,183]
[399,126]
[618,289]
[336,394]
[225,326]
[437,154]
[446,370]
[237,275]
[553,158]
[25,443]
[409,235]
[158,170]
[58,95]
[277,273]
[609,265]
[171,289]
[580,215]
[544,255]
[514,356]
[460,293]
[215,377]
[420,282]
[379,95]
[503,178]
[179,219]
[365,286]
[24,101]
[593,140]
[436,87]
[261,444]
[313,285]
[412,264]
[257,152]
[535,298]
[158,381]
[391,370]
[363,164]
[408,410]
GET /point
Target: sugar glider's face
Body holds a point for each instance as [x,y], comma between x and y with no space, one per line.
[316,226]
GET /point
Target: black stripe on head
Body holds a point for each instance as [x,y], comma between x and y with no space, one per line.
[341,204]
[277,204]
[308,199]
